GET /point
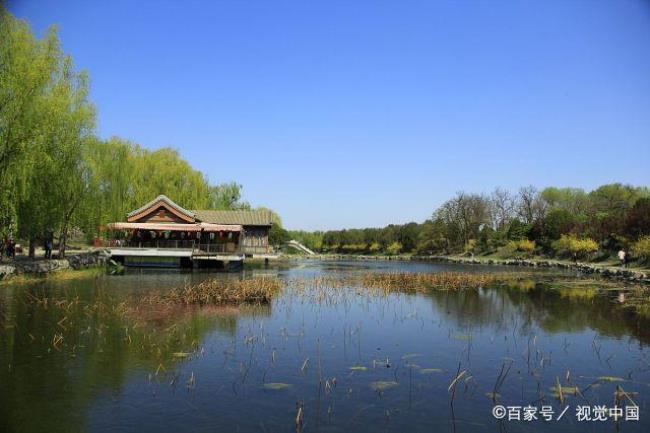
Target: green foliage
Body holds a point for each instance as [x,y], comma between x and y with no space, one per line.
[638,219]
[518,230]
[123,176]
[55,173]
[514,225]
[278,236]
[312,240]
[641,249]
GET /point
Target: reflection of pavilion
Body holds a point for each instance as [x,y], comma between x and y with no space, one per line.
[163,234]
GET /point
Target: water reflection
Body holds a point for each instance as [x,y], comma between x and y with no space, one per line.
[76,355]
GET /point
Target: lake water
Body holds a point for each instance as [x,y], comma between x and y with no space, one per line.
[75,357]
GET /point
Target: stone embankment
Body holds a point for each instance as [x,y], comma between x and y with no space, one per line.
[45,266]
[619,273]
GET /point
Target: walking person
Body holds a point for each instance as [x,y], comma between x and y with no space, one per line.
[622,257]
[11,249]
[48,246]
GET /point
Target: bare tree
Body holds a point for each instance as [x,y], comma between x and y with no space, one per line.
[502,208]
[531,206]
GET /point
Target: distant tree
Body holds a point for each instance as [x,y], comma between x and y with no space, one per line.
[637,223]
[531,206]
[518,230]
[463,216]
[278,236]
[226,196]
[502,208]
[408,236]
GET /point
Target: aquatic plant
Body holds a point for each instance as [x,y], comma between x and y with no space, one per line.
[217,292]
[421,282]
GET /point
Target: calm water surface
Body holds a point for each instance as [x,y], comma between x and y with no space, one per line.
[74,357]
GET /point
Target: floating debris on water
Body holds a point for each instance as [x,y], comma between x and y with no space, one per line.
[358,368]
[276,386]
[431,370]
[381,386]
[611,379]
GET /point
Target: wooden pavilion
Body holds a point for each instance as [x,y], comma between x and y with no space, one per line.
[162,233]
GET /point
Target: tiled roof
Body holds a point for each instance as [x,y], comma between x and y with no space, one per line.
[241,217]
[162,197]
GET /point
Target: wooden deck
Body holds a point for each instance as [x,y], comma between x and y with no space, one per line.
[185,253]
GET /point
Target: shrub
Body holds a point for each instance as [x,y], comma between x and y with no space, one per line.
[641,249]
[470,246]
[577,247]
[394,248]
[522,247]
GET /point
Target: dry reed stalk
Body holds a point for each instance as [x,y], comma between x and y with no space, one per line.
[218,292]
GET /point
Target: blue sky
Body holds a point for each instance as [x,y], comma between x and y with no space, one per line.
[352,114]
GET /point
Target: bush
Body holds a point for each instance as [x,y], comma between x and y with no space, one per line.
[576,247]
[641,249]
[470,246]
[394,248]
[522,247]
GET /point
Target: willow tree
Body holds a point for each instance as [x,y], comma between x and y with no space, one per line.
[26,68]
[57,176]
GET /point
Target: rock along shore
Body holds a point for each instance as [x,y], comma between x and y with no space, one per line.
[585,268]
[45,266]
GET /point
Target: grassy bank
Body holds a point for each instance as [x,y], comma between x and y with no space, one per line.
[60,275]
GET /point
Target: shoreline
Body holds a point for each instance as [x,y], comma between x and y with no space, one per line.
[610,272]
[92,259]
[41,267]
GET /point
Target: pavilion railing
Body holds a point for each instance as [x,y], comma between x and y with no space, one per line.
[162,243]
[194,245]
[217,248]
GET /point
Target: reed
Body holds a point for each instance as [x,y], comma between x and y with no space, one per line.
[422,282]
[218,292]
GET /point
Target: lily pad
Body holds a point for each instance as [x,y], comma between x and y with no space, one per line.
[276,386]
[381,386]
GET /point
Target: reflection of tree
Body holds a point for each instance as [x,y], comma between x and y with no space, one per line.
[57,351]
[554,310]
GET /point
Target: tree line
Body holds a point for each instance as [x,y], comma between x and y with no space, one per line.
[56,174]
[554,221]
